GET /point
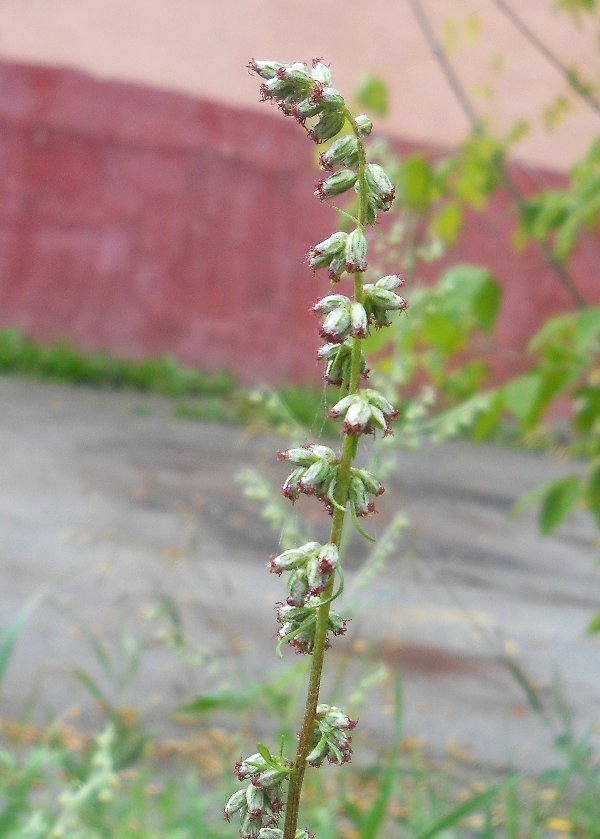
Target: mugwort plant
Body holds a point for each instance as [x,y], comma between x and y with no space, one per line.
[307,620]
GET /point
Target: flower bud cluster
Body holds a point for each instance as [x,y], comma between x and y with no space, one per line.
[380,299]
[311,567]
[340,252]
[276,833]
[330,739]
[363,485]
[302,92]
[259,804]
[339,361]
[364,412]
[343,318]
[317,474]
[298,624]
[380,191]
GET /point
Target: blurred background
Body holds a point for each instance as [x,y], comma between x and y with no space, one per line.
[157,345]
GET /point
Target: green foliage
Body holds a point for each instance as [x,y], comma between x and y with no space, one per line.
[372,95]
[562,215]
[11,634]
[443,320]
[61,360]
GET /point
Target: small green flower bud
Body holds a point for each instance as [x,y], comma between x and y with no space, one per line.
[297,588]
[356,251]
[270,780]
[250,827]
[359,498]
[294,558]
[250,766]
[265,69]
[364,124]
[335,717]
[328,558]
[323,452]
[330,124]
[306,108]
[331,302]
[380,186]
[314,477]
[387,299]
[335,184]
[318,754]
[270,833]
[372,485]
[329,253]
[342,406]
[376,399]
[336,623]
[359,322]
[331,98]
[390,283]
[336,324]
[235,804]
[321,72]
[343,150]
[337,267]
[291,487]
[314,577]
[305,455]
[255,801]
[332,245]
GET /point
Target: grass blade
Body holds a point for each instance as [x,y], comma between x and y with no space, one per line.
[10,636]
[459,813]
[375,818]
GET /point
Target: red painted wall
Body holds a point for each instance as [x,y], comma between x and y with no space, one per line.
[148,222]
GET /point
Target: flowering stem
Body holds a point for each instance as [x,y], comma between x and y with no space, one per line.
[306,618]
[348,454]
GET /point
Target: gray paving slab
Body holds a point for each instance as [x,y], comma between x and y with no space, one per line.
[111,507]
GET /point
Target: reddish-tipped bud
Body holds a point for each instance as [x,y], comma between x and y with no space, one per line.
[356,251]
[337,183]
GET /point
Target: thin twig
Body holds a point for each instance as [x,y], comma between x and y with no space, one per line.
[550,56]
[477,127]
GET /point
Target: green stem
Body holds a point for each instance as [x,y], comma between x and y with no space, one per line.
[337,525]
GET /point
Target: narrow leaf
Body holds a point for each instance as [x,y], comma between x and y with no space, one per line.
[459,813]
[372,95]
[558,503]
[10,636]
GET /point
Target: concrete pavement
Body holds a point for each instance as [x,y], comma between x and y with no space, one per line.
[119,513]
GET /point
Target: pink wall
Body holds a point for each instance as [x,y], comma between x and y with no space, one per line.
[148,222]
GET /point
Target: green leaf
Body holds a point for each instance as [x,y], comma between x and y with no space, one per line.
[558,503]
[372,95]
[521,397]
[225,700]
[414,184]
[592,494]
[10,635]
[447,223]
[534,496]
[588,328]
[557,497]
[463,810]
[264,752]
[472,294]
[593,628]
[375,818]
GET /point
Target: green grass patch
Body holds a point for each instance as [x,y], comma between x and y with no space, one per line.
[199,395]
